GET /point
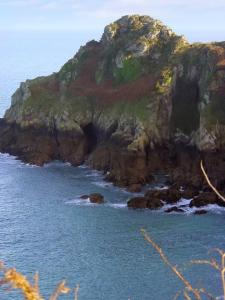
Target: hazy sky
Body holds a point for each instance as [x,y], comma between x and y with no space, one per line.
[197,19]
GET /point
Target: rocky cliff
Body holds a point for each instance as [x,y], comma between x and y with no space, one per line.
[142,100]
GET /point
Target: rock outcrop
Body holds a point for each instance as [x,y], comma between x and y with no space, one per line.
[141,100]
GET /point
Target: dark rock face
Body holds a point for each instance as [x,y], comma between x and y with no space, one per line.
[40,145]
[143,202]
[135,188]
[96,198]
[189,193]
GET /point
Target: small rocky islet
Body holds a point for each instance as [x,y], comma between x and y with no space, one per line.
[139,102]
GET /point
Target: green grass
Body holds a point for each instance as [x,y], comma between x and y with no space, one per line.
[131,70]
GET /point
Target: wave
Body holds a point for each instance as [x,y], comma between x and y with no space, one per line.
[117,205]
[103,184]
[80,202]
[184,204]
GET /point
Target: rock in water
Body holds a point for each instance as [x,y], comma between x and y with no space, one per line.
[96,198]
[139,101]
[204,199]
[137,203]
[143,202]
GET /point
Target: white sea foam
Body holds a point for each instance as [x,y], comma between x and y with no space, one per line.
[103,184]
[83,167]
[184,204]
[80,202]
[117,205]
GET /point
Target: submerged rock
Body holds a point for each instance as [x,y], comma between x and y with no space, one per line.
[84,197]
[174,209]
[200,212]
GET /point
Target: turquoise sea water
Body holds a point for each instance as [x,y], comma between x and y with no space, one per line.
[45,227]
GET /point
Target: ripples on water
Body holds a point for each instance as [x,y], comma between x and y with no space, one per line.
[44,226]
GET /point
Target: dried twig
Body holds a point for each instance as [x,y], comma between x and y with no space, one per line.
[210,184]
[186,283]
[213,263]
[76,290]
[60,289]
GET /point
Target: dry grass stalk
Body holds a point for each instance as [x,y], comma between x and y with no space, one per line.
[186,283]
[76,290]
[188,287]
[15,280]
[218,250]
[60,289]
[210,184]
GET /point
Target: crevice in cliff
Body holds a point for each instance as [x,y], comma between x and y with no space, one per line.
[90,133]
[185,113]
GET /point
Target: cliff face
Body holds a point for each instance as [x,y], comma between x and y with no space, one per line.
[141,100]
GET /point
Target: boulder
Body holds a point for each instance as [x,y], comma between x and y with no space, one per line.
[137,203]
[204,199]
[144,202]
[154,203]
[96,198]
[171,195]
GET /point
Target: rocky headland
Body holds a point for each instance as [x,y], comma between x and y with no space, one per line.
[141,101]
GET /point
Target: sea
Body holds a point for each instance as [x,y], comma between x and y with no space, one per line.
[45,227]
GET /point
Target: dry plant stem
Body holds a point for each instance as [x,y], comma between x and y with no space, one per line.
[186,296]
[223,274]
[212,263]
[186,283]
[60,289]
[177,295]
[210,184]
[223,199]
[210,296]
[76,290]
